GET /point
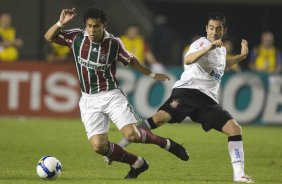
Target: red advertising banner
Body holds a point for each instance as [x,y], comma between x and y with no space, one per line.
[39,89]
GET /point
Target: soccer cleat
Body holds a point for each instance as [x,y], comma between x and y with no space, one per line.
[107,160]
[134,172]
[178,150]
[244,179]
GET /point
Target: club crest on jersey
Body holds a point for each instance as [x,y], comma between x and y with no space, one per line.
[174,103]
[103,58]
[216,75]
[201,45]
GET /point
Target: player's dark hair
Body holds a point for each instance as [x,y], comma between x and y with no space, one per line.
[219,17]
[95,13]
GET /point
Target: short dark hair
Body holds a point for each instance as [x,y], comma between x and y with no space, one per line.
[95,13]
[219,17]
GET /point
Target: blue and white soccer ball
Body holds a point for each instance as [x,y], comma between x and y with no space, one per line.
[49,168]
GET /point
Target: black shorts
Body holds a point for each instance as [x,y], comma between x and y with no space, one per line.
[198,106]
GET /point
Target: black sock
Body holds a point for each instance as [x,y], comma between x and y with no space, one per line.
[151,123]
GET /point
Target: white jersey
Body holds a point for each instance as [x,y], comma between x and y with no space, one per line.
[205,74]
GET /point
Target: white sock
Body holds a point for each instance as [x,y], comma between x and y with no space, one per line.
[167,144]
[236,153]
[123,142]
[138,163]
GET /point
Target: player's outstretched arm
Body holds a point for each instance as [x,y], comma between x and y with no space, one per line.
[193,57]
[66,16]
[134,63]
[240,57]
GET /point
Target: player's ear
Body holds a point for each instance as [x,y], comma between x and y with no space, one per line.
[225,30]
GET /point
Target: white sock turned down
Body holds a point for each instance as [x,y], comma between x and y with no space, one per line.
[138,163]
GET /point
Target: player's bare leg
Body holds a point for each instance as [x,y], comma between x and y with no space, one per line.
[235,147]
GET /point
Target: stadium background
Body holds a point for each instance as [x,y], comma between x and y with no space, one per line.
[247,19]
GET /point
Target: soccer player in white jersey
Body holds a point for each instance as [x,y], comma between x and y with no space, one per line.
[196,93]
[96,53]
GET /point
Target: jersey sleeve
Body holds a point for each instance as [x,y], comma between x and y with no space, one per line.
[123,55]
[66,37]
[196,46]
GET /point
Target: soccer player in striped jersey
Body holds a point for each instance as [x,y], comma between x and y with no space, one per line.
[196,93]
[96,52]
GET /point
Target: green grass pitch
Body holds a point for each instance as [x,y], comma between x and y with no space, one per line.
[24,141]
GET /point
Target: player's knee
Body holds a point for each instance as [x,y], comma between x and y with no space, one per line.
[130,132]
[99,147]
[132,136]
[234,129]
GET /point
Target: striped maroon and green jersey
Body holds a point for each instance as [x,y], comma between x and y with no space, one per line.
[95,62]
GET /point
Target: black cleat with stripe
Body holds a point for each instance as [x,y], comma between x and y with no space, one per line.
[134,172]
[178,150]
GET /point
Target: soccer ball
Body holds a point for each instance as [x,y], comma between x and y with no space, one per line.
[49,168]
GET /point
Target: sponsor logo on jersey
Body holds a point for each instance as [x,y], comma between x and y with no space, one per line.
[93,65]
[216,75]
[174,103]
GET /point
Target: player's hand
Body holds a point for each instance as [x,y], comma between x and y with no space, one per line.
[214,44]
[244,47]
[67,15]
[161,77]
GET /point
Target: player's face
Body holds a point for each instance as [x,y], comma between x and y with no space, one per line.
[132,32]
[95,29]
[215,30]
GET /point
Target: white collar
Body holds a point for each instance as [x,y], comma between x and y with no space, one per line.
[106,35]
